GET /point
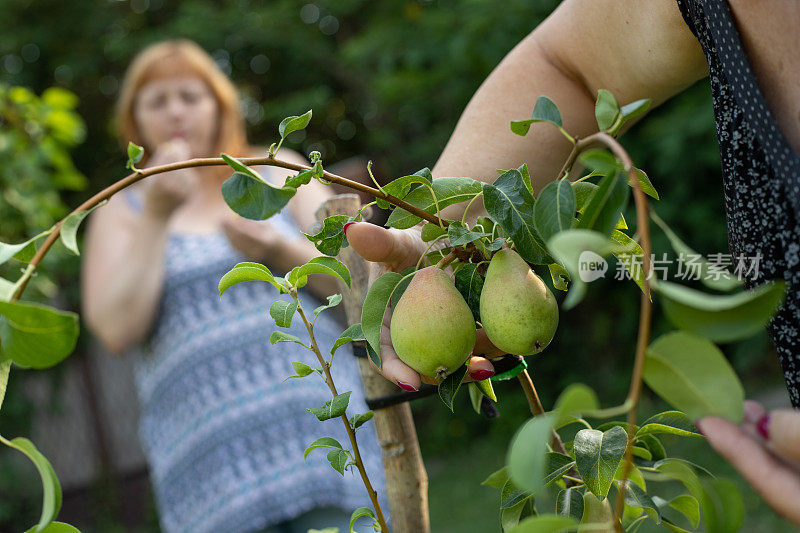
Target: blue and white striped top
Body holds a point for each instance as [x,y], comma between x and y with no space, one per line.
[223,433]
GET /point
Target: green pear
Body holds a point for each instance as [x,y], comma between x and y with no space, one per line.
[518,311]
[597,512]
[432,328]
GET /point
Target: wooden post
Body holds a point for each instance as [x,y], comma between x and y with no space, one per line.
[406,478]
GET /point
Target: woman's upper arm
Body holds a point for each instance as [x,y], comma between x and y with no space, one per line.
[635,49]
[106,240]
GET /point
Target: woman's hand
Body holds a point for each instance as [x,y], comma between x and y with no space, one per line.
[765,449]
[394,250]
[165,192]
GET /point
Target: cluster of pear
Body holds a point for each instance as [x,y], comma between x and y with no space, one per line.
[433,330]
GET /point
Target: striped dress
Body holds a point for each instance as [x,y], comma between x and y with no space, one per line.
[223,433]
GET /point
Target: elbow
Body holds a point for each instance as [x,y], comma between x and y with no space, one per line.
[109,337]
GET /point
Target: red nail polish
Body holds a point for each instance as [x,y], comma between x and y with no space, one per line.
[405,386]
[763,426]
[480,375]
[344,229]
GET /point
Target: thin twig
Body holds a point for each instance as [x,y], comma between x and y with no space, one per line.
[111,190]
[350,433]
[645,307]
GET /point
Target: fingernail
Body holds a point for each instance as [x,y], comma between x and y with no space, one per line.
[699,429]
[402,384]
[763,426]
[480,375]
[344,229]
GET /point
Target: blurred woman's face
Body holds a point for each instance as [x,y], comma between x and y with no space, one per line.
[182,106]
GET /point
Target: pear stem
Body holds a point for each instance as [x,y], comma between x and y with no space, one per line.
[536,407]
[446,260]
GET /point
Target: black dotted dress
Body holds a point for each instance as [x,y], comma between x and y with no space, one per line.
[761,174]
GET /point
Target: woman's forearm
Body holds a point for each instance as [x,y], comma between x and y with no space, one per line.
[126,302]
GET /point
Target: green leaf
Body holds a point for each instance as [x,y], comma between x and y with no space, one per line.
[568,247]
[294,123]
[302,370]
[693,376]
[475,397]
[527,459]
[400,187]
[688,506]
[485,386]
[254,198]
[359,420]
[557,464]
[526,177]
[657,450]
[469,283]
[248,271]
[358,513]
[521,127]
[509,517]
[583,191]
[606,205]
[636,497]
[723,509]
[644,183]
[721,318]
[5,370]
[673,422]
[600,161]
[322,442]
[338,460]
[69,228]
[511,495]
[322,265]
[630,254]
[431,231]
[497,479]
[459,234]
[545,523]
[546,110]
[374,308]
[559,275]
[554,209]
[280,336]
[332,408]
[330,238]
[576,399]
[135,154]
[51,499]
[606,109]
[283,312]
[597,456]
[54,527]
[509,203]
[712,276]
[351,334]
[569,502]
[449,386]
[333,301]
[35,335]
[634,109]
[448,191]
[21,251]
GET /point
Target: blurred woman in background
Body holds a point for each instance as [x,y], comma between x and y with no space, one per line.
[223,433]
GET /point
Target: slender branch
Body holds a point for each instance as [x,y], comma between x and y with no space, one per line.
[446,260]
[536,407]
[645,307]
[111,190]
[350,433]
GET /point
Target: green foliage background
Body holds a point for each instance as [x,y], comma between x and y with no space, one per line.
[389,80]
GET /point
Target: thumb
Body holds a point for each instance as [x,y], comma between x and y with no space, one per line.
[397,249]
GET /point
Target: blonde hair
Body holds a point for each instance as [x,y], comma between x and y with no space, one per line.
[180,57]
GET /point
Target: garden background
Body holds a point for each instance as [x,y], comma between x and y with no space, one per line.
[387,81]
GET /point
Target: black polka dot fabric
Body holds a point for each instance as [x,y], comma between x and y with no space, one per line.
[761,174]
